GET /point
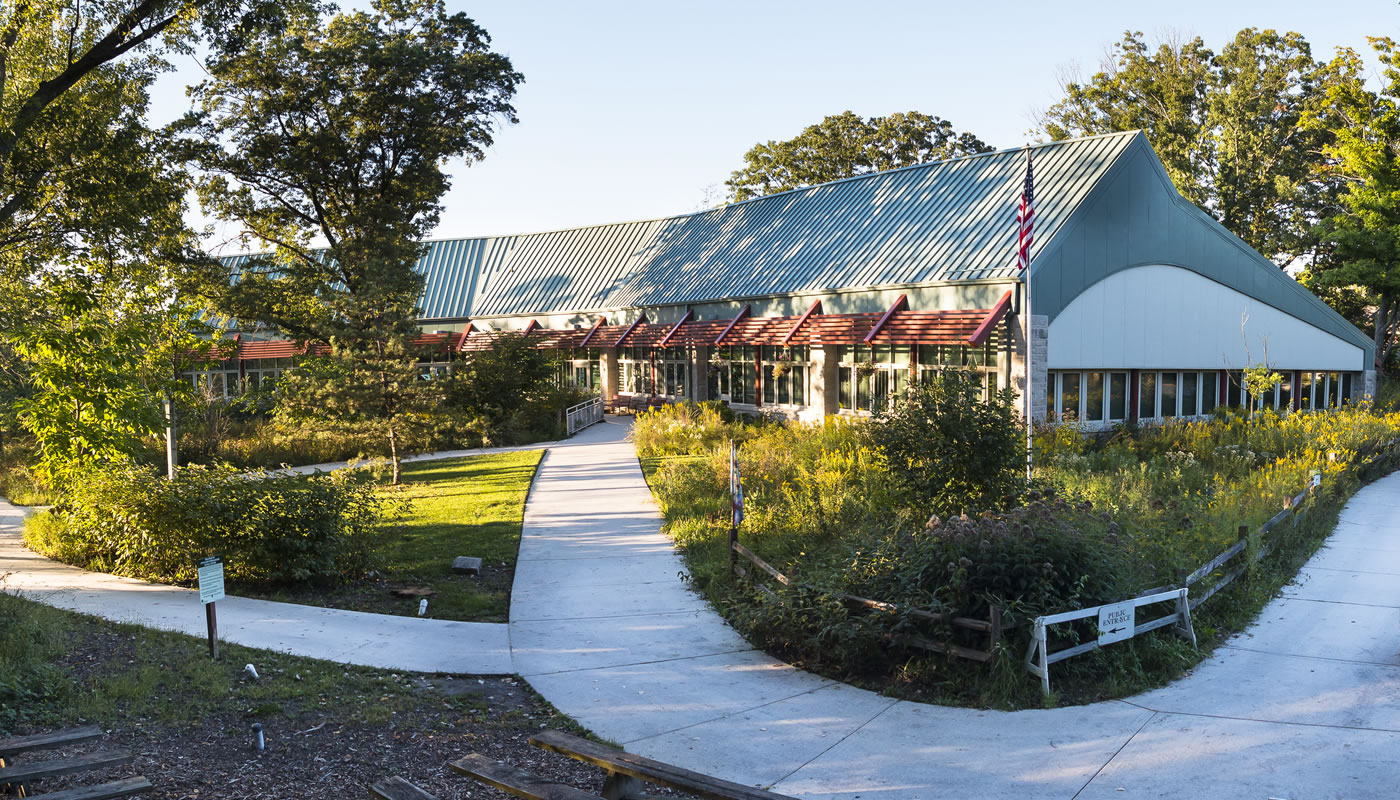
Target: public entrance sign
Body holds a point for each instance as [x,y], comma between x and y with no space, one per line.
[211,579]
[1116,622]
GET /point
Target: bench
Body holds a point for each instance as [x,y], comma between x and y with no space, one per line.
[627,771]
[634,403]
[20,774]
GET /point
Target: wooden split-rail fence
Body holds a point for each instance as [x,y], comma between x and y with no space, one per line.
[1039,657]
[990,628]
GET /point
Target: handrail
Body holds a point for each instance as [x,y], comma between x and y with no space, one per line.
[578,417]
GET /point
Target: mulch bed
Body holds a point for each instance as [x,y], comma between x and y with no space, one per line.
[214,757]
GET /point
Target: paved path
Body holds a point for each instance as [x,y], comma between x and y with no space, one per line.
[1306,704]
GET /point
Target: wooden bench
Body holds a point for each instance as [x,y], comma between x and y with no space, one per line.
[627,771]
[20,774]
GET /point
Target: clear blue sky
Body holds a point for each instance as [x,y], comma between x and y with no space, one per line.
[642,109]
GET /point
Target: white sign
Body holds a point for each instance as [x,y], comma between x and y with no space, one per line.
[1116,622]
[211,579]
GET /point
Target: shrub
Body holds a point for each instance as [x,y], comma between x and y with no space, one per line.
[951,451]
[269,528]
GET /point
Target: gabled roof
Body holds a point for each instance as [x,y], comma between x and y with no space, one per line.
[943,221]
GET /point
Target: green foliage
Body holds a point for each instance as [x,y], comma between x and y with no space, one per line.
[1121,514]
[1229,127]
[28,680]
[338,129]
[294,127]
[844,145]
[269,528]
[949,450]
[18,482]
[373,391]
[507,395]
[101,364]
[1364,237]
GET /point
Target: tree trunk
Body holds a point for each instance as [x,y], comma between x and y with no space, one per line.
[394,452]
[1382,327]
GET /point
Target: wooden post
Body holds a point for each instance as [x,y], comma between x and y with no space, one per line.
[994,635]
[213,621]
[733,554]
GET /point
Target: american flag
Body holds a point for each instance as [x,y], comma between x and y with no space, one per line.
[1025,219]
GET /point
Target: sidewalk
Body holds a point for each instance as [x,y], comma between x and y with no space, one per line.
[1305,704]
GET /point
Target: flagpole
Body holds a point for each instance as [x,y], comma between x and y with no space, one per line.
[1024,260]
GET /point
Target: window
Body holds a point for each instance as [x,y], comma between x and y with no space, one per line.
[1210,391]
[1069,396]
[1236,395]
[1346,388]
[1093,396]
[929,359]
[870,378]
[1147,395]
[1285,392]
[1118,396]
[785,375]
[1189,390]
[1168,383]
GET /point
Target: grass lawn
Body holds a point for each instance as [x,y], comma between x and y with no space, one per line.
[460,507]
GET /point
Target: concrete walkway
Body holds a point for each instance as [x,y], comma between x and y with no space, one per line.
[1306,704]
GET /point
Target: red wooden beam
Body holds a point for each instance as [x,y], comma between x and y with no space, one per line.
[630,328]
[592,331]
[531,327]
[665,340]
[989,322]
[802,320]
[901,304]
[743,312]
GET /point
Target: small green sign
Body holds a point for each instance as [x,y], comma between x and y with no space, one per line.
[211,579]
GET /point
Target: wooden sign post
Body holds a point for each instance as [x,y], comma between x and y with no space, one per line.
[211,590]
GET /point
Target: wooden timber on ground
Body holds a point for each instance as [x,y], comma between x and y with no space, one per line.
[397,788]
[18,776]
[516,781]
[620,764]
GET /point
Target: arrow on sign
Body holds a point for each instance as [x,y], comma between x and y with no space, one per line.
[1116,630]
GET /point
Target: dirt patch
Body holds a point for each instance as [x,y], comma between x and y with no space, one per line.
[313,756]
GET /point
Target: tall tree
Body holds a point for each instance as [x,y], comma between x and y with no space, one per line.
[1228,127]
[1364,153]
[844,145]
[326,140]
[73,83]
[1161,92]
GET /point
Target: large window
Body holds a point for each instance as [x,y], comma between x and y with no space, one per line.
[634,371]
[785,375]
[871,377]
[733,374]
[1095,397]
[934,357]
[673,365]
[581,368]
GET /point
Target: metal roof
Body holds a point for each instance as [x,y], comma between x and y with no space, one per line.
[950,220]
[944,221]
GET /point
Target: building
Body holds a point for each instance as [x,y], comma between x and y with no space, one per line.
[830,299]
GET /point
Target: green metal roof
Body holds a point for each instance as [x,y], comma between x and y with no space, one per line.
[944,221]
